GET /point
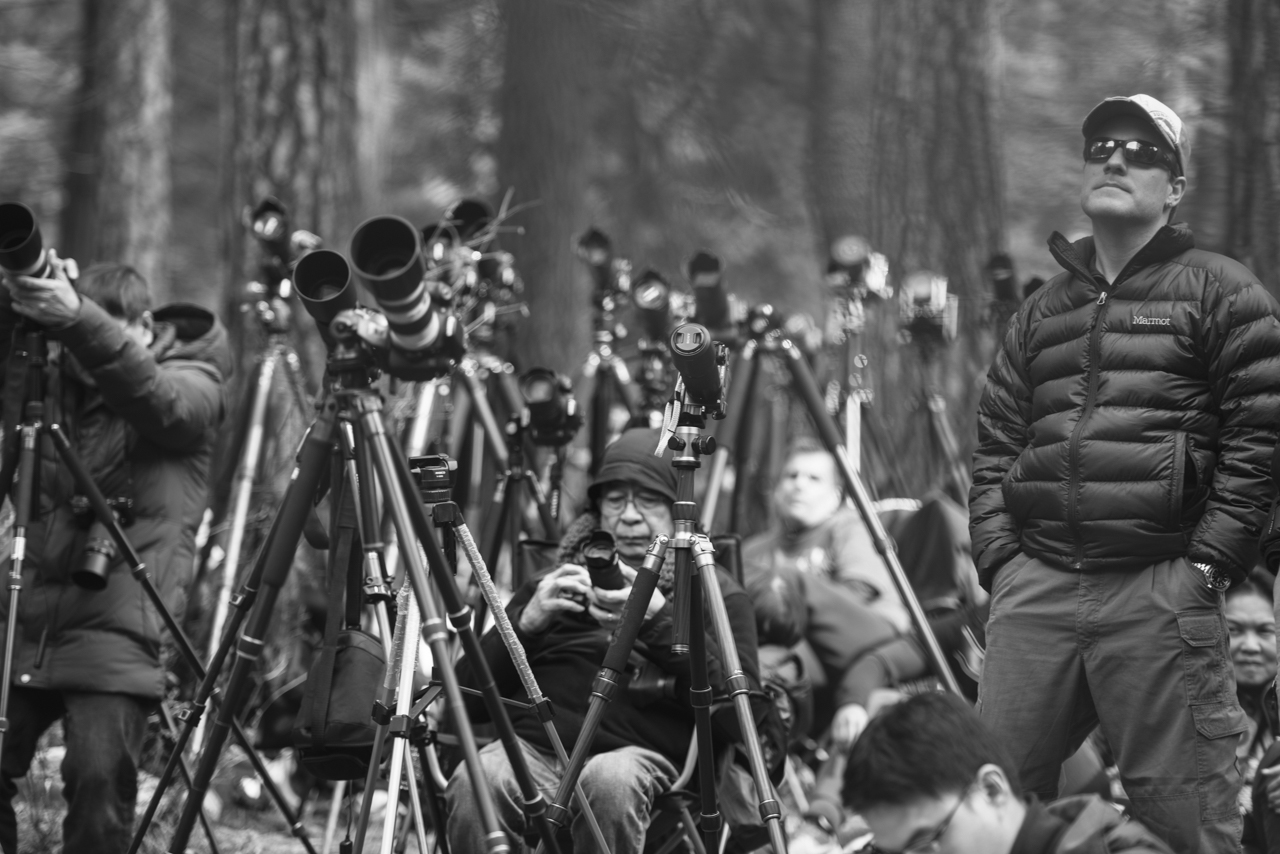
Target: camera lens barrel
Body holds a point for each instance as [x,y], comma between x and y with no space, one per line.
[99,555]
[21,246]
[323,281]
[711,300]
[696,357]
[386,253]
[601,557]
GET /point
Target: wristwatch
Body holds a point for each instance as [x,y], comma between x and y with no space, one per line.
[1214,577]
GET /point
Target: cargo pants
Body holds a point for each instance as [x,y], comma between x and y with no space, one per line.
[1144,655]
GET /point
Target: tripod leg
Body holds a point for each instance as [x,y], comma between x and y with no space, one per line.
[541,705]
[405,659]
[278,560]
[738,688]
[830,436]
[242,492]
[700,699]
[495,439]
[432,796]
[24,497]
[171,725]
[740,392]
[396,481]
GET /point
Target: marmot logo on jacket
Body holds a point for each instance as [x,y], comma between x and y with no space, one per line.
[1152,321]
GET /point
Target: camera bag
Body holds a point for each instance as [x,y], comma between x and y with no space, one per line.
[334,730]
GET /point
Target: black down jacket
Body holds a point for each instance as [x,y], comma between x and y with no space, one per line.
[1134,422]
[143,422]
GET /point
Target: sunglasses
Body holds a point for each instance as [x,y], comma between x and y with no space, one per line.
[1135,151]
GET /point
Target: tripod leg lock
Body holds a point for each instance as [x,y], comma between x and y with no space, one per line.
[557,815]
[712,823]
[605,684]
[496,843]
[700,698]
[461,618]
[381,712]
[737,684]
[770,811]
[544,710]
[193,713]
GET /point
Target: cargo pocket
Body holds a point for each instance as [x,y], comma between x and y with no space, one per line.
[1218,725]
[1204,657]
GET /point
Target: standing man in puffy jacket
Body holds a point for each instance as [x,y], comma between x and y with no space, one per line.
[1120,486]
[141,396]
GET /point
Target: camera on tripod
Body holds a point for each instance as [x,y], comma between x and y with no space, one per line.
[435,475]
[929,314]
[553,414]
[611,276]
[268,222]
[412,338]
[702,363]
[99,549]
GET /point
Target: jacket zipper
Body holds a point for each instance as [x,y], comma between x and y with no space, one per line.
[1073,454]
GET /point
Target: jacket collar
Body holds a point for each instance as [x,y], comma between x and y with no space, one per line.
[1077,258]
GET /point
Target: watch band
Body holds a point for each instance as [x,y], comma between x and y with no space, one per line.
[1214,577]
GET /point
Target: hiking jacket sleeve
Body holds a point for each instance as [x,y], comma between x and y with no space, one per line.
[172,404]
[1242,344]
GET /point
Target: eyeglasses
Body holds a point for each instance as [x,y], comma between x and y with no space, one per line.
[930,840]
[1100,148]
[615,500]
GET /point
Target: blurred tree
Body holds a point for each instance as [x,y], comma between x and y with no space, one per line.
[903,153]
[1252,209]
[116,206]
[290,134]
[545,107]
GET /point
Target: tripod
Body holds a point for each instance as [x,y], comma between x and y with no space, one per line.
[692,600]
[434,480]
[272,314]
[611,383]
[353,399]
[829,433]
[25,493]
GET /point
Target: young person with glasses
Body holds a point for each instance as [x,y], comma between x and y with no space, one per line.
[927,777]
[1120,485]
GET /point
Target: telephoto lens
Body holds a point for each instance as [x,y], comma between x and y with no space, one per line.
[698,360]
[601,556]
[709,295]
[651,296]
[21,247]
[99,555]
[323,281]
[386,253]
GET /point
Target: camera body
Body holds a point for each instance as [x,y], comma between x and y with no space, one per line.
[99,549]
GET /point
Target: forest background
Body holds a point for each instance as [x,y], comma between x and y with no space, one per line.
[943,131]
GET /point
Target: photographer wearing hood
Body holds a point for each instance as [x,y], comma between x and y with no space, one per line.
[140,394]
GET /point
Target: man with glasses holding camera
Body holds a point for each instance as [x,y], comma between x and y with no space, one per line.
[140,395]
[1120,486]
[565,619]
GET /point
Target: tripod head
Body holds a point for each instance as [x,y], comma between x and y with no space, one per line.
[435,475]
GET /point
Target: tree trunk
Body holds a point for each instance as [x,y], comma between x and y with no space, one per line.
[118,183]
[1253,126]
[902,153]
[292,68]
[545,109]
[291,135]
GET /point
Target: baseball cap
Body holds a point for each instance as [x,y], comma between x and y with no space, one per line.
[1153,112]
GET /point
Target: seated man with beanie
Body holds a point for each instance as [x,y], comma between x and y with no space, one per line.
[926,775]
[565,625]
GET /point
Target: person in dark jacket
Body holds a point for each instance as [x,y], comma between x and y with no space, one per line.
[565,625]
[1120,486]
[926,775]
[140,395]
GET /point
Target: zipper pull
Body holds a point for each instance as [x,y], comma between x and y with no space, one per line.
[1102,299]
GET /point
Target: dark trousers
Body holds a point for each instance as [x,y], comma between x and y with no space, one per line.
[1143,654]
[104,735]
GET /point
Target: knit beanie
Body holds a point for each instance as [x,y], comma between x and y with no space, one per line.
[631,459]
